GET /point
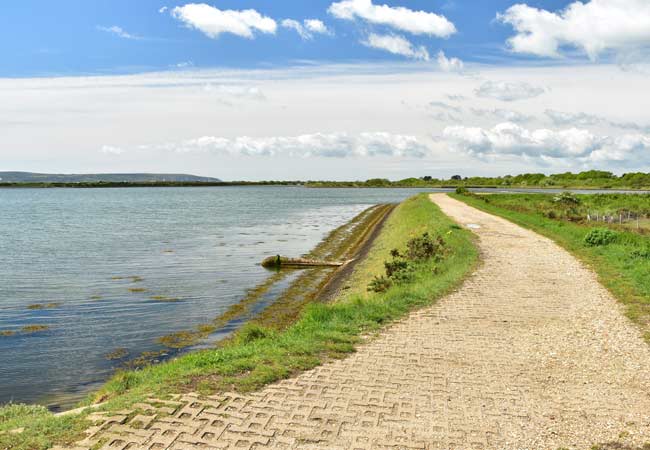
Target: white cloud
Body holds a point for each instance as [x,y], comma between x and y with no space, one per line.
[110,150]
[118,31]
[508,92]
[586,120]
[396,45]
[307,29]
[573,144]
[404,19]
[593,27]
[449,64]
[317,145]
[212,21]
[163,9]
[184,65]
[503,114]
[316,26]
[234,91]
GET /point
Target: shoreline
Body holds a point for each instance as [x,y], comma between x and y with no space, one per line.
[318,185]
[257,355]
[245,312]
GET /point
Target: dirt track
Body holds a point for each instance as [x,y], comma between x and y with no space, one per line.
[530,353]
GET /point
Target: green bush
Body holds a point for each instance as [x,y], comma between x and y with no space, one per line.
[600,236]
[462,190]
[567,198]
[379,284]
[401,268]
[425,247]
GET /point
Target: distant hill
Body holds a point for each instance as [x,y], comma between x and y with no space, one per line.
[30,177]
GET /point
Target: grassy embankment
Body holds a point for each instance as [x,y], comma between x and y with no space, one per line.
[622,265]
[257,356]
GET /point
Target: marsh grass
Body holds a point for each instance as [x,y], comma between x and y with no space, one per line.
[257,355]
[617,259]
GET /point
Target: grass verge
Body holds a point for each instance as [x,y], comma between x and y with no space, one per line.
[623,266]
[257,355]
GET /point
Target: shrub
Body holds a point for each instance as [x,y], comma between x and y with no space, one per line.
[401,267]
[380,284]
[425,247]
[395,265]
[567,198]
[600,236]
[462,190]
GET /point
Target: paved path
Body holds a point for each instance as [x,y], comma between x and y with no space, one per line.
[530,353]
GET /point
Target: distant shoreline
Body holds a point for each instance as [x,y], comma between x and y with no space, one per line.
[313,185]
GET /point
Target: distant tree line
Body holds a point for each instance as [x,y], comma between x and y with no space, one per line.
[588,179]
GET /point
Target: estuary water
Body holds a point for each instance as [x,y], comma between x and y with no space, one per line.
[100,267]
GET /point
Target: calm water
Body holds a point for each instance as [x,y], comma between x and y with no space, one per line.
[200,245]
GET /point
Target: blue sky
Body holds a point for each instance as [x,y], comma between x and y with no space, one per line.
[64,37]
[325,89]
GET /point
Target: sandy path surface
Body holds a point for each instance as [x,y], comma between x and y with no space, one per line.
[530,353]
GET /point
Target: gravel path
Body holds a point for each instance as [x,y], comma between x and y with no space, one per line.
[530,353]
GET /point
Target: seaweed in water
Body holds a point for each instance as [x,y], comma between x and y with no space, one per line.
[39,306]
[118,353]
[163,299]
[136,290]
[35,328]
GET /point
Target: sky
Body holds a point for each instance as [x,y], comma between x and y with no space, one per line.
[347,89]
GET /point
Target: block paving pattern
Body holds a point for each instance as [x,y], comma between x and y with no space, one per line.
[530,353]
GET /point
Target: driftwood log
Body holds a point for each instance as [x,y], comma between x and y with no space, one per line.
[283,261]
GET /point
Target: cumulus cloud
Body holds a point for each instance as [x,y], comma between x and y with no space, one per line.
[396,45]
[307,28]
[316,26]
[449,64]
[400,18]
[118,31]
[583,119]
[213,22]
[593,27]
[163,10]
[574,144]
[503,114]
[510,138]
[317,145]
[508,92]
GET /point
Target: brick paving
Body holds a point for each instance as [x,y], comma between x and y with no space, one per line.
[530,353]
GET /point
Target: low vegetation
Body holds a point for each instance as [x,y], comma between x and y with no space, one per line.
[619,254]
[592,179]
[258,355]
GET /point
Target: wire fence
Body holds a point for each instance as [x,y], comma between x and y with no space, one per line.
[619,217]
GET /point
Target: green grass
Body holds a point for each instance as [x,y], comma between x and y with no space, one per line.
[257,356]
[41,428]
[623,266]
